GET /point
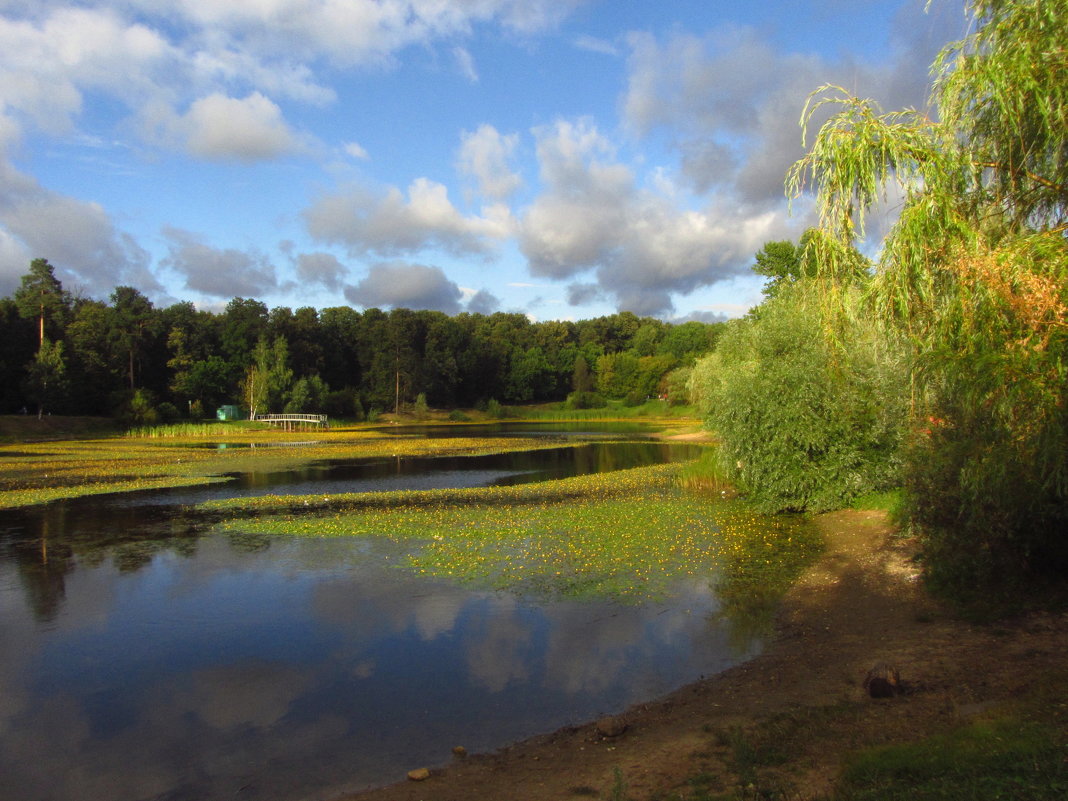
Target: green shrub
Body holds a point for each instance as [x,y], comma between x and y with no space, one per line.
[168,412]
[585,400]
[810,409]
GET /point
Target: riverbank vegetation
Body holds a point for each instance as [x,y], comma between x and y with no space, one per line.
[941,365]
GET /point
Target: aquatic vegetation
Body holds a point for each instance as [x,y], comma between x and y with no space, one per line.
[628,535]
[40,472]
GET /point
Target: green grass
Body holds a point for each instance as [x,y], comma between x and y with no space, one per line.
[706,474]
[195,430]
[885,501]
[1007,758]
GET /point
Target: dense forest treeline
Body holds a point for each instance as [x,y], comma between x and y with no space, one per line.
[128,358]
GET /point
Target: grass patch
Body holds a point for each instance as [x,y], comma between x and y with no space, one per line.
[885,501]
[1006,758]
[706,474]
[196,430]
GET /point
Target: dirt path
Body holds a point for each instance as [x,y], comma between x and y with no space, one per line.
[861,603]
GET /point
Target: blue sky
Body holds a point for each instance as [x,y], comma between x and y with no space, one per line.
[561,158]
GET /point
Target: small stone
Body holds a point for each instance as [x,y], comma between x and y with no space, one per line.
[612,726]
[883,681]
[459,751]
[419,775]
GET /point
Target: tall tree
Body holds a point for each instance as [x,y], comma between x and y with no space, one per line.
[269,377]
[975,275]
[132,316]
[40,294]
[45,384]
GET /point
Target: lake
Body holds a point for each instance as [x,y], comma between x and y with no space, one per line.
[143,656]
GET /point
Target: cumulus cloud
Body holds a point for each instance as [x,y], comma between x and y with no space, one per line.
[483,302]
[579,294]
[485,155]
[732,101]
[641,243]
[222,273]
[321,268]
[390,224]
[89,253]
[411,286]
[221,128]
[155,57]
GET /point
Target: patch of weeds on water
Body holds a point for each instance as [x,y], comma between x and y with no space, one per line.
[628,535]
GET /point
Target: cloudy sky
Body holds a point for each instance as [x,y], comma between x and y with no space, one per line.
[561,158]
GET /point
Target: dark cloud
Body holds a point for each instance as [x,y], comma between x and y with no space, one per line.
[483,302]
[222,273]
[404,285]
[321,268]
[580,294]
[90,254]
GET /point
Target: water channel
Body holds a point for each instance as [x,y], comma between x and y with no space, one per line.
[143,657]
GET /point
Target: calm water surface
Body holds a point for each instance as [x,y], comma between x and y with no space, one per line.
[143,659]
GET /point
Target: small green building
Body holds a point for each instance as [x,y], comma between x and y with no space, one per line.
[228,412]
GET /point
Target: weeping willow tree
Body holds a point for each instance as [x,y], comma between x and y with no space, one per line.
[975,276]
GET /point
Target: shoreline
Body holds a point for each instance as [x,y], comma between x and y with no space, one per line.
[861,603]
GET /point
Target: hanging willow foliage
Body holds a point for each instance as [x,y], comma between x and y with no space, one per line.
[975,275]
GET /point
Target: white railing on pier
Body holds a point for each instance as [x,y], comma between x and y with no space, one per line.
[293,420]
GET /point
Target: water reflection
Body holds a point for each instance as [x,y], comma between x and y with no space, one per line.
[309,667]
[140,658]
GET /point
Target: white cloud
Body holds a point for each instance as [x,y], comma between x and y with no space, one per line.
[596,45]
[643,245]
[465,63]
[156,55]
[390,224]
[219,128]
[356,151]
[485,155]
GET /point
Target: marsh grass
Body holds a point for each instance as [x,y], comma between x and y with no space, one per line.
[706,474]
[196,430]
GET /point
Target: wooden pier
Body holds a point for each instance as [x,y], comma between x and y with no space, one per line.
[294,422]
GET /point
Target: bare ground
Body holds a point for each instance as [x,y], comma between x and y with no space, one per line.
[862,603]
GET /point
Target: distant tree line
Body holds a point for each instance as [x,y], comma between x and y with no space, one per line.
[67,355]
